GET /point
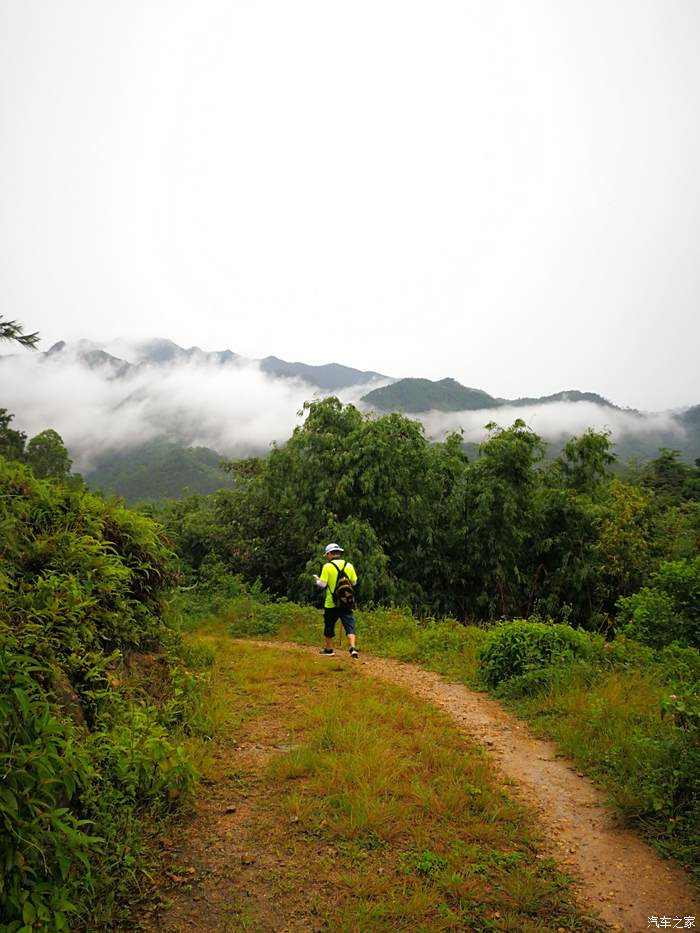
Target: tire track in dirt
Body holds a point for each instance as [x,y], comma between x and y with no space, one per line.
[618,876]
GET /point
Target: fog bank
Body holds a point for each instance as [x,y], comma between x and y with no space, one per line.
[554,421]
[239,410]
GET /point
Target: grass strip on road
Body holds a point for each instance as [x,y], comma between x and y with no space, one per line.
[358,808]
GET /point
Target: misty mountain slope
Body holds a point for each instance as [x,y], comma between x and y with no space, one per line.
[158,470]
[91,357]
[569,395]
[163,352]
[111,398]
[420,395]
[329,376]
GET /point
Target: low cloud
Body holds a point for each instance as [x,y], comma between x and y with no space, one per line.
[554,421]
[236,408]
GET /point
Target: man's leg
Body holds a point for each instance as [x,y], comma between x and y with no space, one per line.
[348,620]
[329,620]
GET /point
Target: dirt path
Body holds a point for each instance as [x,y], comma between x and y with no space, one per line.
[619,876]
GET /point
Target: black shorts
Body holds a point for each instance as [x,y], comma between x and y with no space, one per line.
[331,616]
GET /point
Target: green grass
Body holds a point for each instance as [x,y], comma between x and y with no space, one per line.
[391,819]
[605,712]
[613,729]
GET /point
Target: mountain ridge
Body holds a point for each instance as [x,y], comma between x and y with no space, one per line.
[405,394]
[422,395]
[162,417]
[161,351]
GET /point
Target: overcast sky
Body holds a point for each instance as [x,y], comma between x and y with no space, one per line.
[503,191]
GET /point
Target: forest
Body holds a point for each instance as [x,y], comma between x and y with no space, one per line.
[507,534]
[552,559]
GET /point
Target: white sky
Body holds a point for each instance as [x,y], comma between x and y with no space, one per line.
[504,191]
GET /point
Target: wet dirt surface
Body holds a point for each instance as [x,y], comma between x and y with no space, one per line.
[618,875]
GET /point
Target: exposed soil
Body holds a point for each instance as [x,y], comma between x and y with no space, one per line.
[618,875]
[227,853]
[223,876]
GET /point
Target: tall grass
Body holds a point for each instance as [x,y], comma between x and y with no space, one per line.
[626,713]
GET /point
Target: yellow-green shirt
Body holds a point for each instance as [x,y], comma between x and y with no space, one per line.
[330,575]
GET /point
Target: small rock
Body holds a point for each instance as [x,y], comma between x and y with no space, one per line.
[230,810]
[247,859]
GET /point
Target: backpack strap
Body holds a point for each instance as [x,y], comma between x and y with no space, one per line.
[339,570]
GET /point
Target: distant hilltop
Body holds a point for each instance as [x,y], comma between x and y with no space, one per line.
[155,398]
[421,395]
[403,395]
[162,352]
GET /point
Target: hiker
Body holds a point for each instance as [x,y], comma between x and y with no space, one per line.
[335,577]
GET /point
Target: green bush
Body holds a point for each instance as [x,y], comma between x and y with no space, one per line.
[668,609]
[673,792]
[520,648]
[43,766]
[87,760]
[252,617]
[681,665]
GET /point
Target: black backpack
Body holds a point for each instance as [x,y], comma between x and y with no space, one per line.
[343,594]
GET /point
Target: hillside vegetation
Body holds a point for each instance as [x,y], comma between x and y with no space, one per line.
[94,698]
[567,591]
[159,469]
[502,535]
[418,395]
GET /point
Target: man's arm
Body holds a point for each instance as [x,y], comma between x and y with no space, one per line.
[319,582]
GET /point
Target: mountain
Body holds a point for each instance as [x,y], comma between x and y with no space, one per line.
[637,436]
[162,352]
[91,357]
[420,395]
[330,376]
[158,470]
[107,402]
[570,395]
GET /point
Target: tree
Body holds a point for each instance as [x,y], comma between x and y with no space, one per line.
[668,476]
[12,330]
[584,460]
[494,522]
[47,456]
[11,442]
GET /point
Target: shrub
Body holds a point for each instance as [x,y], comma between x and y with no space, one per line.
[520,648]
[86,760]
[668,610]
[42,767]
[682,665]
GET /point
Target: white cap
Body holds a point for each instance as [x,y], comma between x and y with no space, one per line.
[333,547]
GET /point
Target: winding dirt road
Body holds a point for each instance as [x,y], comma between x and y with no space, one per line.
[619,877]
